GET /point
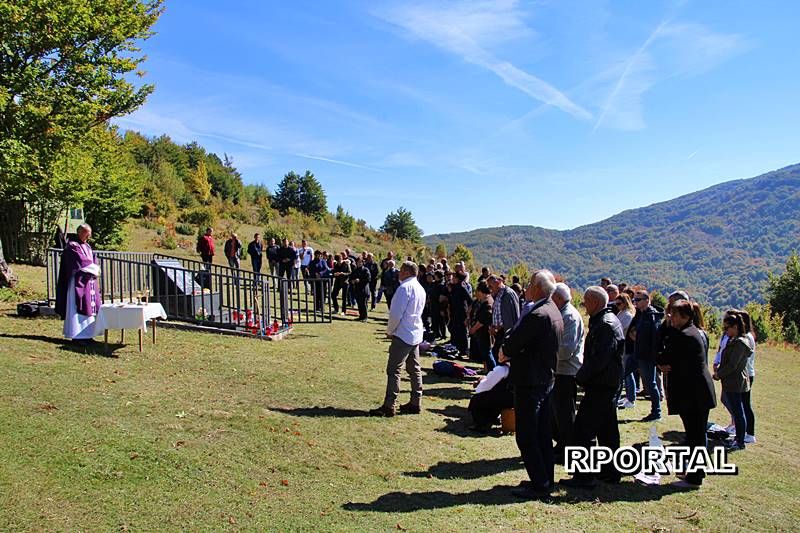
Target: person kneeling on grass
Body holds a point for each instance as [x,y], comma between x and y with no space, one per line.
[492,395]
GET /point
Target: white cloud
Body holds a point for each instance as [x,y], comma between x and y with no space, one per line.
[470,30]
[336,161]
[672,49]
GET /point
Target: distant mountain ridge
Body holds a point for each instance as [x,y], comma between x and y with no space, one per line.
[719,243]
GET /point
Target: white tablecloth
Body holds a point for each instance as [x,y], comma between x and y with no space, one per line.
[127,316]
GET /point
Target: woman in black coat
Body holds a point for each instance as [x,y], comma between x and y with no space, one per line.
[690,389]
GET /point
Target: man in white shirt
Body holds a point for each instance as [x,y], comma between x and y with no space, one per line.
[306,255]
[405,329]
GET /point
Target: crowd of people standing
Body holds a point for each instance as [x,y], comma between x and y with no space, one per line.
[538,353]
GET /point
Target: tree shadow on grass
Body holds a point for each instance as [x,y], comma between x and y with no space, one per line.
[403,502]
[320,412]
[471,469]
[95,349]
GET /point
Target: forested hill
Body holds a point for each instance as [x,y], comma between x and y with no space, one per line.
[719,243]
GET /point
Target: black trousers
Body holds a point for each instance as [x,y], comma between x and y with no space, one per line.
[597,418]
[499,337]
[694,423]
[565,395]
[335,296]
[533,433]
[485,407]
[459,334]
[361,302]
[438,323]
[319,296]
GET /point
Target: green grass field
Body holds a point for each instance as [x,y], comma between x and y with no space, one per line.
[205,432]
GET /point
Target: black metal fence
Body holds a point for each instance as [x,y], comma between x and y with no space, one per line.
[209,295]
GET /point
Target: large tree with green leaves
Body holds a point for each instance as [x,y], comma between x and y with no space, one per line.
[303,193]
[287,195]
[114,189]
[312,197]
[66,67]
[783,294]
[400,225]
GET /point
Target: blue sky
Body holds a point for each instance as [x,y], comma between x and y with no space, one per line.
[480,114]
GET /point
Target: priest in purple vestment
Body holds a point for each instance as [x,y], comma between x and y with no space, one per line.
[77,291]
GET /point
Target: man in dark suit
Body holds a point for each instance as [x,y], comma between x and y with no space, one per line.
[359,287]
[599,376]
[532,348]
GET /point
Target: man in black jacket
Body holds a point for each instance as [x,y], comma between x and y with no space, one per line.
[286,257]
[646,348]
[599,376]
[272,256]
[532,348]
[255,251]
[459,304]
[372,266]
[359,287]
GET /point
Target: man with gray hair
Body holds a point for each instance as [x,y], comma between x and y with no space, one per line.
[532,347]
[405,328]
[599,376]
[570,358]
[505,311]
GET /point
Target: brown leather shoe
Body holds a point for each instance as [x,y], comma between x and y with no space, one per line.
[386,412]
[410,409]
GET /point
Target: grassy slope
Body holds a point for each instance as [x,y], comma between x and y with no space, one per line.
[140,238]
[211,432]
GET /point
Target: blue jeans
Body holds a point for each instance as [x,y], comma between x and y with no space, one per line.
[647,370]
[629,365]
[735,403]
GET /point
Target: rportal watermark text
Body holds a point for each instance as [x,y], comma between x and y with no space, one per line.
[648,459]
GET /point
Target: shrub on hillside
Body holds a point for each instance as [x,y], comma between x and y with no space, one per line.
[184,229]
[783,293]
[792,334]
[711,320]
[168,242]
[273,231]
[265,214]
[658,300]
[767,324]
[199,216]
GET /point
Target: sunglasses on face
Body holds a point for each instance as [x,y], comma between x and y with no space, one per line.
[638,299]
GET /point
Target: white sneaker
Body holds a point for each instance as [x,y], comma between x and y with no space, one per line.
[627,405]
[731,429]
[749,439]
